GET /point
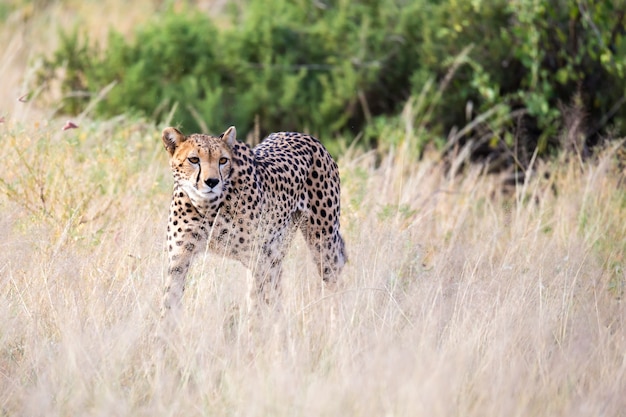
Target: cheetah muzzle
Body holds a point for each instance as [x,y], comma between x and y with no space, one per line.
[246,204]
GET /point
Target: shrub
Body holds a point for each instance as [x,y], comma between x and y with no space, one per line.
[499,72]
[290,66]
[543,60]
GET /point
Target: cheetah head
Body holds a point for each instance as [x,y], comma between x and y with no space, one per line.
[201,164]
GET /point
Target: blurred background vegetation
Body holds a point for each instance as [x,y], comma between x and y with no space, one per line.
[506,79]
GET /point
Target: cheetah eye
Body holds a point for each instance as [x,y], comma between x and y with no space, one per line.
[193,159]
[222,161]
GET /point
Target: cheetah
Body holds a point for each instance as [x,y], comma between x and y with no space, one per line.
[246,203]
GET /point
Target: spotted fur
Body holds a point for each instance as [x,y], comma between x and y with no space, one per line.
[246,203]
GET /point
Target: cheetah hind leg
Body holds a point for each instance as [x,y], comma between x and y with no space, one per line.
[328,252]
[329,255]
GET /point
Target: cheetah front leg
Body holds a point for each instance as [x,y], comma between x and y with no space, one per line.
[175,285]
[267,274]
[268,268]
[267,278]
[182,247]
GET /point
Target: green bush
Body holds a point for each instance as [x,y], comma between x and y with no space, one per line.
[494,71]
[541,60]
[289,65]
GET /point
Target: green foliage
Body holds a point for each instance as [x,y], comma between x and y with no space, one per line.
[574,54]
[290,66]
[509,75]
[503,74]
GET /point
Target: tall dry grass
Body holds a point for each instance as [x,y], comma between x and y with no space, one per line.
[457,300]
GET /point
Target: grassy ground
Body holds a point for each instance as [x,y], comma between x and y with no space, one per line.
[458,300]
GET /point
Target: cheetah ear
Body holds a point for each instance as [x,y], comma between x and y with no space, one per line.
[230,136]
[172,137]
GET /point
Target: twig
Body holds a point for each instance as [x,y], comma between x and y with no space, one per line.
[585,13]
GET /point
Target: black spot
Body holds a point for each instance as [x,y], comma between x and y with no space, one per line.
[176,270]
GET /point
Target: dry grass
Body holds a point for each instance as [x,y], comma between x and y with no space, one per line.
[457,300]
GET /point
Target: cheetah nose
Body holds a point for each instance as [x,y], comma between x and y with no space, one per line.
[212,182]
